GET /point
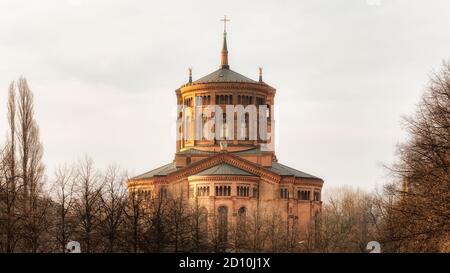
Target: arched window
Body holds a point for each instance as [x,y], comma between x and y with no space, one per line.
[317,224]
[284,194]
[241,226]
[316,196]
[203,221]
[223,226]
[163,192]
[202,232]
[241,215]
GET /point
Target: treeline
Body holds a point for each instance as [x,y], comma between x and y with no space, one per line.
[412,212]
[92,206]
[417,218]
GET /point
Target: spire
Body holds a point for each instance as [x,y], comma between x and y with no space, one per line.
[224,59]
[190,74]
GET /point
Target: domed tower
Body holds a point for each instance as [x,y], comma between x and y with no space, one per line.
[225,161]
[239,108]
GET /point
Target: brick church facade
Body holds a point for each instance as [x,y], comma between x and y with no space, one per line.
[230,178]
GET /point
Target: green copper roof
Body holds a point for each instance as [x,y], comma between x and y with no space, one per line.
[161,171]
[288,171]
[224,75]
[224,169]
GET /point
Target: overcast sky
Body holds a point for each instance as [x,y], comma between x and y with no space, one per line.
[104,74]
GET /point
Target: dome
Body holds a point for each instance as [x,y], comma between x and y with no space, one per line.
[224,75]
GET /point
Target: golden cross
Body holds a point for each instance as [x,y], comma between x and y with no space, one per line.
[225,20]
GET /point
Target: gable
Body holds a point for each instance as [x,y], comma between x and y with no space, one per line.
[240,165]
[224,169]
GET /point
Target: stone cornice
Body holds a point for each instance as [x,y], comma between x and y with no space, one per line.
[223,178]
[302,182]
[234,86]
[142,182]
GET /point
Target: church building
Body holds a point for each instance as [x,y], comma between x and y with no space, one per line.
[232,176]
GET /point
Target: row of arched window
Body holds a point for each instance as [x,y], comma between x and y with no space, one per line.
[260,101]
[143,194]
[203,100]
[203,191]
[223,224]
[284,193]
[243,191]
[244,100]
[223,190]
[224,99]
[148,194]
[188,102]
[301,194]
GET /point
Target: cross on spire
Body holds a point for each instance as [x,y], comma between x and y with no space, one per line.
[225,20]
[224,59]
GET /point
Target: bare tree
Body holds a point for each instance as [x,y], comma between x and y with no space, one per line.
[178,219]
[9,186]
[134,221]
[88,206]
[35,205]
[157,232]
[198,227]
[275,229]
[113,202]
[348,221]
[256,235]
[64,189]
[419,218]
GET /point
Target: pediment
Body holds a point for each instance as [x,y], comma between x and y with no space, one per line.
[233,163]
[224,169]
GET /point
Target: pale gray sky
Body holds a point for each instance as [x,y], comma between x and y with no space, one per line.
[104,74]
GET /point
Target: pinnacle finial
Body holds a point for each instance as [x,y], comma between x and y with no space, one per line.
[260,74]
[190,74]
